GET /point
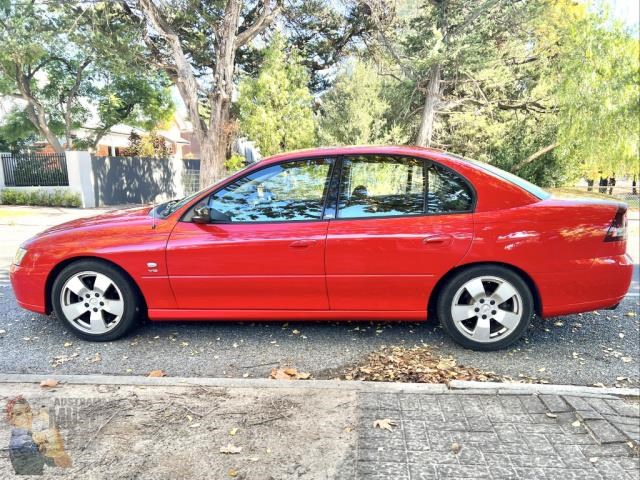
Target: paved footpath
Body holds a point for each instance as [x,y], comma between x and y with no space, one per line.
[134,427]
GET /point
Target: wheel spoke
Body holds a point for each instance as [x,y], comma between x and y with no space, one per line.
[114,307]
[102,283]
[482,331]
[475,288]
[503,293]
[74,310]
[462,312]
[97,322]
[77,286]
[509,320]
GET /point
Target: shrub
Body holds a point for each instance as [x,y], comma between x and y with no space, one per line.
[56,198]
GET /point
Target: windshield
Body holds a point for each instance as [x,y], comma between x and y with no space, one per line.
[509,177]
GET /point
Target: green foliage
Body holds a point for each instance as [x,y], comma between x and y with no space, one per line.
[147,145]
[235,163]
[40,197]
[61,57]
[597,88]
[353,110]
[16,131]
[275,107]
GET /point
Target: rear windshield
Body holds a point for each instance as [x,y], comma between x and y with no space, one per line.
[509,177]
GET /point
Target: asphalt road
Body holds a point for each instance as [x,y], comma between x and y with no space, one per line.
[593,348]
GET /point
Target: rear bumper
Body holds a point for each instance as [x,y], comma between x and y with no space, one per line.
[602,286]
[29,287]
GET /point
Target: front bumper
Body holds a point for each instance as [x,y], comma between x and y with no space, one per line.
[29,287]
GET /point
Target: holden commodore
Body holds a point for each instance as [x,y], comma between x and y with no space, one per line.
[354,233]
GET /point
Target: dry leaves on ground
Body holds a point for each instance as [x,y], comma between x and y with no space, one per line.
[49,383]
[157,373]
[288,374]
[384,424]
[417,364]
[230,449]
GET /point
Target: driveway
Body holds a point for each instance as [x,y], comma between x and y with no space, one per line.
[592,348]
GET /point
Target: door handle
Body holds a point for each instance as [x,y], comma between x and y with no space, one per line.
[302,243]
[442,239]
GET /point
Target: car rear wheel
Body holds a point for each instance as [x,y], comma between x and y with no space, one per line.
[485,307]
[95,301]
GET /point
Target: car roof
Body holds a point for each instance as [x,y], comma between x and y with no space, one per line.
[352,150]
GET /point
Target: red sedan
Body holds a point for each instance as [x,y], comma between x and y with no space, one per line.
[358,233]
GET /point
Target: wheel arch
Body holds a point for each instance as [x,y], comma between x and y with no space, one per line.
[55,271]
[537,299]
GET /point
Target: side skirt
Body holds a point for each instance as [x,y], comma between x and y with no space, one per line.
[253,315]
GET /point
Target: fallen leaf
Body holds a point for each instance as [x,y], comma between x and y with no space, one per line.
[455,447]
[68,344]
[230,449]
[233,472]
[630,314]
[49,383]
[288,374]
[295,332]
[385,424]
[233,431]
[96,359]
[157,373]
[576,423]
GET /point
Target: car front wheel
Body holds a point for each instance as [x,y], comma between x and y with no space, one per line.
[95,301]
[485,307]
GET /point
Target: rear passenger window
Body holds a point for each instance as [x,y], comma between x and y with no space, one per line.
[376,186]
[446,191]
[379,186]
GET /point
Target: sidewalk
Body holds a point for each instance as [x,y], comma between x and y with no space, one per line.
[133,427]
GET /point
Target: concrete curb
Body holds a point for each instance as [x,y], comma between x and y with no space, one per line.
[455,386]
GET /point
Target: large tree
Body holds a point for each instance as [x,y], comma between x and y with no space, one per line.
[275,108]
[67,63]
[353,111]
[196,44]
[439,49]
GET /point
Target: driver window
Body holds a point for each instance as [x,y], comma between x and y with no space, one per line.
[283,192]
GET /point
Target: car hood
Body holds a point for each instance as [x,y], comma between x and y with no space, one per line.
[112,218]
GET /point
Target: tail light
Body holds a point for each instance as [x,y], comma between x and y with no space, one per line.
[618,230]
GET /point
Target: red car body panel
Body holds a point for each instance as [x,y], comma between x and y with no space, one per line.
[362,269]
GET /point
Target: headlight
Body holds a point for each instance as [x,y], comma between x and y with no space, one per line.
[19,255]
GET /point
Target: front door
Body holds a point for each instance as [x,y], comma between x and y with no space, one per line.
[267,253]
[400,224]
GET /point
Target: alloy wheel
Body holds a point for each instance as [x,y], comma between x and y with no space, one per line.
[92,302]
[487,309]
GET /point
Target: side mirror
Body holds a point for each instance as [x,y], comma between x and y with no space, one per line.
[205,214]
[201,215]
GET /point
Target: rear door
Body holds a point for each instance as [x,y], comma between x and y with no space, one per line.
[400,223]
[268,255]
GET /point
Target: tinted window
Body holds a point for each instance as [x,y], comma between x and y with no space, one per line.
[447,192]
[381,186]
[287,191]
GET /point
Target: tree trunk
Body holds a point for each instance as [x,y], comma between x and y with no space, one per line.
[425,134]
[37,116]
[35,111]
[212,157]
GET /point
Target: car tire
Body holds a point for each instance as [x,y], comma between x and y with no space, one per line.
[485,307]
[96,301]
